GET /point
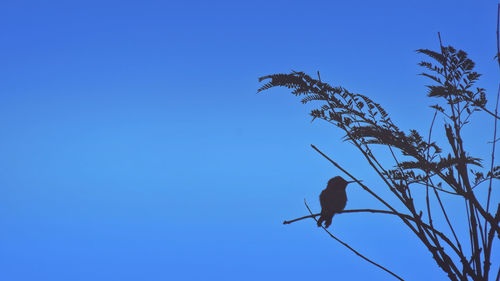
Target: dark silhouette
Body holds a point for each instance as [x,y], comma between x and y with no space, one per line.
[438,168]
[332,199]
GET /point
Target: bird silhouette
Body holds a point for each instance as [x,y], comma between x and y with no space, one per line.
[332,199]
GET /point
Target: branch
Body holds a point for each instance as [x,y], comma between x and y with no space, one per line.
[498,35]
[301,218]
[427,201]
[492,149]
[489,112]
[489,242]
[435,187]
[429,182]
[351,211]
[354,251]
[448,220]
[426,226]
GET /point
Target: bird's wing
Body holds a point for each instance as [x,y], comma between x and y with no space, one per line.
[323,199]
[339,201]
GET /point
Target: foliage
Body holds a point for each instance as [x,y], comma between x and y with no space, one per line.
[365,123]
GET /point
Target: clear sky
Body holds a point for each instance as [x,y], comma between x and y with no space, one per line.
[134,146]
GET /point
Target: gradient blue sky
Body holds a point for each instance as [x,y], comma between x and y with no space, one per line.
[134,146]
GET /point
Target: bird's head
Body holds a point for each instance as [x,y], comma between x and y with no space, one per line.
[339,181]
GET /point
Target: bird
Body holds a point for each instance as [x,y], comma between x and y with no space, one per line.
[332,199]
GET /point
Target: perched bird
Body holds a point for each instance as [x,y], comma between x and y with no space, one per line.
[332,199]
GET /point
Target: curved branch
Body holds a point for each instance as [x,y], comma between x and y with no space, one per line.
[301,218]
[352,211]
[436,188]
[350,248]
[439,233]
[421,223]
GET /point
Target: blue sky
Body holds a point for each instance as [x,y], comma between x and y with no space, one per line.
[134,145]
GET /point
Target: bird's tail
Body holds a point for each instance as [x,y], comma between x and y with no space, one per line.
[320,221]
[328,221]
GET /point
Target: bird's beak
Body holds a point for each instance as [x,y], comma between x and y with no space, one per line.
[353,181]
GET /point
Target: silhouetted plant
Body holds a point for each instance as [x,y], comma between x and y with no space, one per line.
[426,164]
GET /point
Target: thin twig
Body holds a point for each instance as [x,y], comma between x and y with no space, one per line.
[467,211]
[424,225]
[301,218]
[489,112]
[356,211]
[489,241]
[436,188]
[482,235]
[400,170]
[487,178]
[428,156]
[350,211]
[492,156]
[448,220]
[435,191]
[498,34]
[354,251]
